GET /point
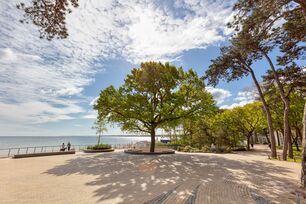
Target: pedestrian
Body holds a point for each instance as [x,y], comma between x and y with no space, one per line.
[213,147]
[63,148]
[68,146]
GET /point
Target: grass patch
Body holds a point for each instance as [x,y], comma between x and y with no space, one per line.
[296,154]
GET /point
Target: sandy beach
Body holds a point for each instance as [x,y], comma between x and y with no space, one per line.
[122,178]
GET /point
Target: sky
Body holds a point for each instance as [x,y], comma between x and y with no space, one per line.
[48,87]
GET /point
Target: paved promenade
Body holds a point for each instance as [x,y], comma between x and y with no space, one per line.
[247,177]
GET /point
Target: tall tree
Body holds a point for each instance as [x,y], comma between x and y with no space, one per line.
[303,172]
[248,119]
[259,34]
[234,64]
[293,79]
[153,96]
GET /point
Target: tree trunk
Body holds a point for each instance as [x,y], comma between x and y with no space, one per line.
[152,145]
[296,143]
[277,135]
[268,115]
[299,134]
[99,139]
[248,142]
[287,139]
[286,105]
[290,150]
[267,137]
[303,172]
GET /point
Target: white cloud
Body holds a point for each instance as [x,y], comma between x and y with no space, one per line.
[233,105]
[43,81]
[92,114]
[220,95]
[94,101]
[37,112]
[243,98]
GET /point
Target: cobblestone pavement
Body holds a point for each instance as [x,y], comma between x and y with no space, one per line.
[117,177]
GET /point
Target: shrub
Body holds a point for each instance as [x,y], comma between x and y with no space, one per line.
[219,149]
[205,149]
[99,146]
[187,148]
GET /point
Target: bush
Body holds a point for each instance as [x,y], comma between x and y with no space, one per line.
[205,149]
[187,148]
[99,146]
[220,149]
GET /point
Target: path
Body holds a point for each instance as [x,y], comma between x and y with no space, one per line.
[121,178]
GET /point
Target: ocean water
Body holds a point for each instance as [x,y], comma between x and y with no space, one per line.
[31,141]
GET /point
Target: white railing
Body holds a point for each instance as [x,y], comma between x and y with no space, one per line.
[4,153]
[36,149]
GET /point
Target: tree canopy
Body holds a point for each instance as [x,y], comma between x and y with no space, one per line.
[49,16]
[153,96]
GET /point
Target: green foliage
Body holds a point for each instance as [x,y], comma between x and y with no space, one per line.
[99,146]
[206,149]
[262,26]
[187,148]
[154,96]
[297,154]
[226,128]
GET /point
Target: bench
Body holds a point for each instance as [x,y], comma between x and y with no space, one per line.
[40,154]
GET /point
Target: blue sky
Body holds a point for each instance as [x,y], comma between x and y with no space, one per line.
[47,88]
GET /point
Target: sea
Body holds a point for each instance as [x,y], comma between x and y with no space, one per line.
[32,141]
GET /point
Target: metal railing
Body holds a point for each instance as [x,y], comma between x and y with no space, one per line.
[4,153]
[36,149]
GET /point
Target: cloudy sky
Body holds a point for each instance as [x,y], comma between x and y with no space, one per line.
[47,87]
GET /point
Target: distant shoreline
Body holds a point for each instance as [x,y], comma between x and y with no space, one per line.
[80,135]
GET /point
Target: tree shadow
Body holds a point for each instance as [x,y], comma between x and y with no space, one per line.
[124,178]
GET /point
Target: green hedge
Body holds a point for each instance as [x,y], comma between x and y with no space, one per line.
[205,149]
[99,146]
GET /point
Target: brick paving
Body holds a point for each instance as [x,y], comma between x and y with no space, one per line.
[247,177]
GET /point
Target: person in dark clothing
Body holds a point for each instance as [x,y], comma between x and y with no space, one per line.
[68,146]
[63,148]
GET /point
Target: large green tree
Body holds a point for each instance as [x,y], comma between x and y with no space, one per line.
[153,96]
[294,80]
[246,120]
[265,25]
[234,64]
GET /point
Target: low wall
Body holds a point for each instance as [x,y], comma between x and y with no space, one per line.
[97,151]
[17,156]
